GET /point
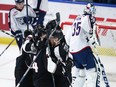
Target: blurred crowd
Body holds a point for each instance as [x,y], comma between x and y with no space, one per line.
[96,1]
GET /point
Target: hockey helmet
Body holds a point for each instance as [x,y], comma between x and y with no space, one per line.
[38,32]
[27,32]
[51,24]
[58,34]
[90,9]
[19,1]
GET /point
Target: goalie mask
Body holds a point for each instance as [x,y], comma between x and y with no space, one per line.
[90,9]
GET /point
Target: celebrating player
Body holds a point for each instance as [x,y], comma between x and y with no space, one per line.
[59,63]
[23,60]
[45,74]
[81,51]
[32,45]
[18,20]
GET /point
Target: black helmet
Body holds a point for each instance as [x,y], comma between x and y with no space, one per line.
[58,34]
[51,24]
[38,32]
[19,1]
[27,32]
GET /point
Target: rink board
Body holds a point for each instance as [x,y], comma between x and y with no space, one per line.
[67,15]
[6,40]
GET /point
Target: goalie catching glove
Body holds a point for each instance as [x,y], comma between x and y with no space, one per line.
[93,38]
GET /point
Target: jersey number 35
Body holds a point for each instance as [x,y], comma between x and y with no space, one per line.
[76,29]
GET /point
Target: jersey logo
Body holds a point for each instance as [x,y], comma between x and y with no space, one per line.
[20,20]
[15,13]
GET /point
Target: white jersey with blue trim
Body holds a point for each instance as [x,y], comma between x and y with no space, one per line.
[43,4]
[78,33]
[16,18]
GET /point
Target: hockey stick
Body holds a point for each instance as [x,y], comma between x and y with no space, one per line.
[60,60]
[30,67]
[9,43]
[27,14]
[58,22]
[47,42]
[7,46]
[101,69]
[98,73]
[67,76]
[6,33]
[64,71]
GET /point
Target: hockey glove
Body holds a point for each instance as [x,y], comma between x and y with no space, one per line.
[68,67]
[18,33]
[19,38]
[51,25]
[28,20]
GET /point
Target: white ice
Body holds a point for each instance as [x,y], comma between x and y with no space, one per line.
[7,65]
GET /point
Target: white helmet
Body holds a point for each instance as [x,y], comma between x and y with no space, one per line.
[90,9]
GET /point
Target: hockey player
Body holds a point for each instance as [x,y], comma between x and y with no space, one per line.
[32,45]
[23,60]
[59,63]
[81,51]
[18,20]
[41,77]
[40,7]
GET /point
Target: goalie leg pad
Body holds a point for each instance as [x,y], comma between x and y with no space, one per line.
[91,76]
[78,77]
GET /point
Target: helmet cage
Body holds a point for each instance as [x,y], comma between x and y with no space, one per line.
[90,9]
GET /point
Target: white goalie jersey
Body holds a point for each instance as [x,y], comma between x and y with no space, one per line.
[16,19]
[78,33]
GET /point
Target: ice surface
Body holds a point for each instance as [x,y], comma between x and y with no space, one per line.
[7,65]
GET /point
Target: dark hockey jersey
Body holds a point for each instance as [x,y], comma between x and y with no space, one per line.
[59,52]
